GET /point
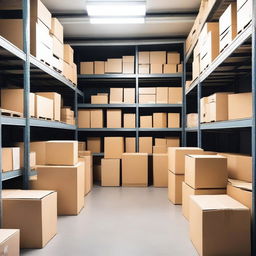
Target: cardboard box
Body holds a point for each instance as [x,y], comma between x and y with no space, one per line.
[114,118]
[88,175]
[68,54]
[57,64]
[94,144]
[43,107]
[36,230]
[173,142]
[81,146]
[173,120]
[10,159]
[113,147]
[135,169]
[96,118]
[147,99]
[110,172]
[209,27]
[239,166]
[156,69]
[128,68]
[129,120]
[188,191]
[192,120]
[67,181]
[84,118]
[161,95]
[146,145]
[176,158]
[57,48]
[196,68]
[10,242]
[160,142]
[160,170]
[146,122]
[99,99]
[144,58]
[157,57]
[206,171]
[87,68]
[144,68]
[244,14]
[159,120]
[175,187]
[159,149]
[116,95]
[129,95]
[56,103]
[99,67]
[170,68]
[239,106]
[147,90]
[32,156]
[61,152]
[114,66]
[128,59]
[175,95]
[67,71]
[57,29]
[39,147]
[130,145]
[222,216]
[204,114]
[173,58]
[82,153]
[180,68]
[12,99]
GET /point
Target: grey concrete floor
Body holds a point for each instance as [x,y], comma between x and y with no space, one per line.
[122,222]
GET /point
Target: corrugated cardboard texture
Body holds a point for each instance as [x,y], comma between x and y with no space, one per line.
[160,170]
[175,187]
[10,242]
[110,172]
[113,147]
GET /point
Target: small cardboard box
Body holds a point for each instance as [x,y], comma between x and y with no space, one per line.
[173,58]
[57,30]
[222,216]
[147,99]
[175,95]
[147,90]
[116,95]
[67,181]
[87,68]
[36,230]
[96,118]
[144,58]
[173,142]
[99,99]
[239,106]
[156,69]
[130,145]
[170,68]
[61,152]
[160,170]
[114,66]
[157,57]
[135,169]
[146,122]
[159,149]
[43,107]
[10,242]
[68,54]
[161,95]
[188,191]
[94,144]
[175,187]
[173,120]
[128,67]
[144,69]
[129,95]
[192,120]
[146,145]
[84,118]
[113,147]
[88,175]
[129,120]
[114,118]
[99,67]
[110,172]
[160,120]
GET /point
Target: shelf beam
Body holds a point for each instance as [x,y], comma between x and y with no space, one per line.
[231,124]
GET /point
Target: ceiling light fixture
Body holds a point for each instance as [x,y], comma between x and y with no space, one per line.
[127,20]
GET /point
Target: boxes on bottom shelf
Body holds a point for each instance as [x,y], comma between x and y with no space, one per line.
[10,242]
[192,120]
[10,159]
[114,118]
[130,145]
[175,187]
[94,144]
[160,170]
[146,145]
[173,120]
[110,172]
[36,230]
[129,120]
[113,147]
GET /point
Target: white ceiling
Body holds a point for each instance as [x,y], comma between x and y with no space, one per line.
[152,28]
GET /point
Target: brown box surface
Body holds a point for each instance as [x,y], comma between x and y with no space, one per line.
[7,159]
[147,99]
[88,175]
[99,99]
[147,90]
[129,95]
[159,149]
[129,120]
[192,120]
[114,66]
[43,107]
[99,67]
[130,145]
[156,68]
[175,187]
[160,120]
[146,145]
[144,68]
[116,95]
[175,95]
[10,242]
[173,142]
[110,172]
[157,57]
[173,58]
[87,68]
[128,67]
[161,95]
[84,118]
[170,68]
[96,118]
[57,29]
[68,54]
[160,170]
[39,147]
[146,122]
[144,58]
[94,144]
[114,118]
[173,120]
[113,147]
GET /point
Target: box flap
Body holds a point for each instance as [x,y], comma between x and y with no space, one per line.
[241,184]
[25,194]
[6,233]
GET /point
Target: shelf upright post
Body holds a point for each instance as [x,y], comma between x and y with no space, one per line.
[76,115]
[26,77]
[199,132]
[184,109]
[137,96]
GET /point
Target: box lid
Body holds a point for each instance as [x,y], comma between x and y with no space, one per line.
[25,194]
[206,156]
[240,184]
[6,233]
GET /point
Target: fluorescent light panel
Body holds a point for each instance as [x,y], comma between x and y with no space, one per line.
[125,20]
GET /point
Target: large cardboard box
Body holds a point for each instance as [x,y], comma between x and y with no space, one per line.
[170,68]
[39,147]
[67,181]
[217,219]
[114,118]
[161,95]
[10,242]
[173,120]
[157,57]
[129,95]
[110,172]
[10,159]
[175,187]
[244,14]
[88,175]
[61,152]
[144,69]
[135,169]
[146,145]
[156,68]
[19,208]
[13,99]
[192,120]
[239,106]
[160,170]
[173,142]
[116,95]
[176,158]
[147,99]
[173,58]
[94,144]
[188,191]
[147,90]
[239,166]
[96,118]
[57,29]
[113,147]
[160,120]
[144,58]
[43,107]
[175,95]
[56,103]
[68,54]
[130,145]
[115,66]
[84,118]
[99,99]
[99,67]
[87,68]
[129,120]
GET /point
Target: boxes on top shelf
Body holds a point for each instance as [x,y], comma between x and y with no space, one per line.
[144,58]
[173,58]
[57,29]
[99,67]
[114,66]
[68,54]
[157,57]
